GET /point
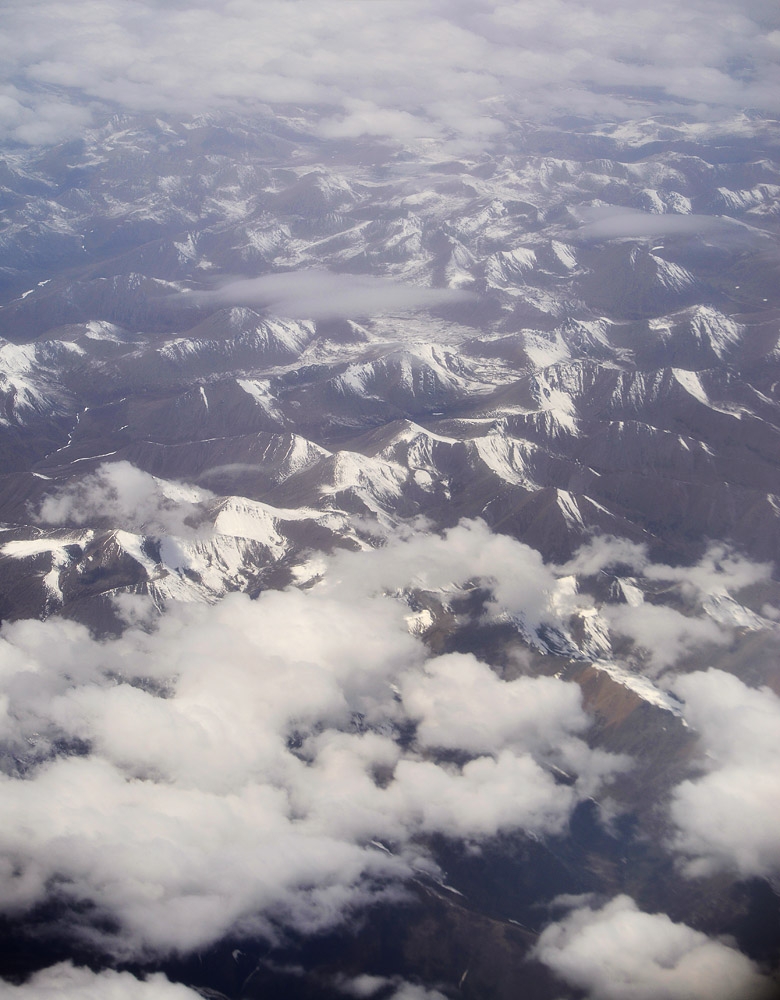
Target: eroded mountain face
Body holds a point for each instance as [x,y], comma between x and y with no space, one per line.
[545,384]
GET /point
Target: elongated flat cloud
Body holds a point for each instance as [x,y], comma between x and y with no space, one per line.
[408,70]
[610,223]
[619,953]
[325,295]
[726,818]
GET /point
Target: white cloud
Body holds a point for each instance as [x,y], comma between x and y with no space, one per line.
[620,953]
[720,570]
[413,991]
[608,223]
[369,986]
[325,295]
[604,551]
[38,120]
[409,70]
[229,769]
[71,982]
[663,633]
[121,495]
[461,704]
[727,817]
[518,580]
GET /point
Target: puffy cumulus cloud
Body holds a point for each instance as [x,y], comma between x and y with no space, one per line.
[727,817]
[325,295]
[121,495]
[620,953]
[427,69]
[484,797]
[460,704]
[413,991]
[177,818]
[73,983]
[233,767]
[177,868]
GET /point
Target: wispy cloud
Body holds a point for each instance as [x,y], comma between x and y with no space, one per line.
[610,223]
[664,633]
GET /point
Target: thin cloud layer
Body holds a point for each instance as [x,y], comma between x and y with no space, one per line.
[325,295]
[118,493]
[610,223]
[407,70]
[619,953]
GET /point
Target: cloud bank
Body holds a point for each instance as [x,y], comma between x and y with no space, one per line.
[412,71]
[235,769]
[259,766]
